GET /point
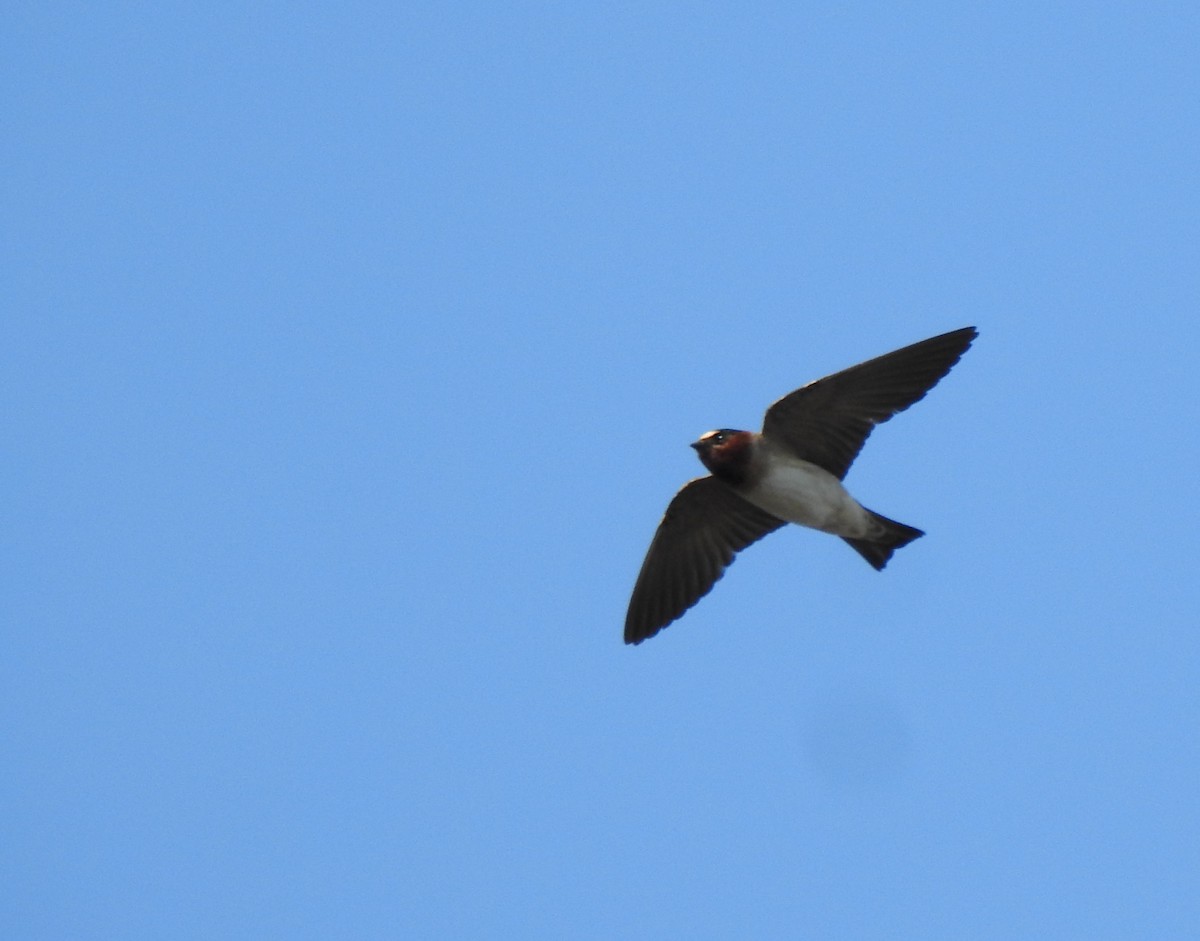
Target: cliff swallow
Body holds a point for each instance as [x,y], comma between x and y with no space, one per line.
[790,473]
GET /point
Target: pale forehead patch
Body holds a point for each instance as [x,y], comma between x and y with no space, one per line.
[709,434]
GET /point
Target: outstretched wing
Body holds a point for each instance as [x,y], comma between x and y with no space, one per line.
[705,526]
[827,421]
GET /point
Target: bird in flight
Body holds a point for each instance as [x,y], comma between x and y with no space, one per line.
[789,473]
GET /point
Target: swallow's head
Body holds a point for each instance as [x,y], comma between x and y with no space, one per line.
[726,453]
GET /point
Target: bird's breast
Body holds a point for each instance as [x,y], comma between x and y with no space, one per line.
[802,493]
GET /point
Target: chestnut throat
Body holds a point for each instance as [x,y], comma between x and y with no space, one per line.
[731,460]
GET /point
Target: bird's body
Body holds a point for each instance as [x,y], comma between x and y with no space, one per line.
[798,491]
[791,472]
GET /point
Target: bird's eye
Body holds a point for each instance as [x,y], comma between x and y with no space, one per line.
[718,437]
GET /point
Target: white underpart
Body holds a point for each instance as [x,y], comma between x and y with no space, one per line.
[800,492]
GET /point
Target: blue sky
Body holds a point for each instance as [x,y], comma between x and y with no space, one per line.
[350,355]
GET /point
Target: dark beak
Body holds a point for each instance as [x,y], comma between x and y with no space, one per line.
[698,445]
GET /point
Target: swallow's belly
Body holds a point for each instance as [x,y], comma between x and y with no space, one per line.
[803,493]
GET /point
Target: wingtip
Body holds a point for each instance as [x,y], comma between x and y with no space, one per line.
[969,333]
[636,633]
[636,628]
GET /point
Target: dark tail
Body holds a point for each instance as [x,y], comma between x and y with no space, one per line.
[886,537]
